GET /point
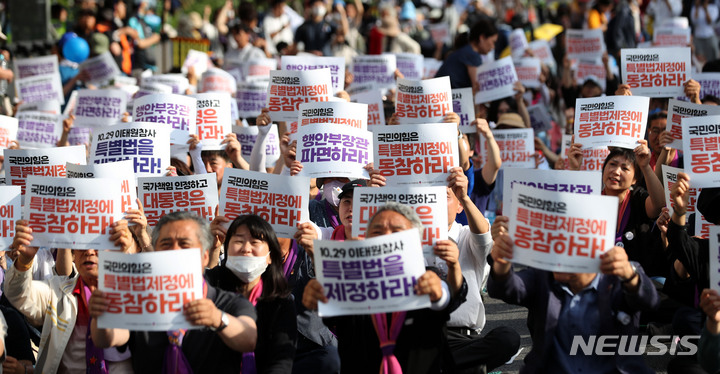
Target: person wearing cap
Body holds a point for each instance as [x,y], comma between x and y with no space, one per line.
[345,211]
[470,350]
[324,212]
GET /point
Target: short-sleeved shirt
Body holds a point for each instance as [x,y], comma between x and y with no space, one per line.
[204,349]
[456,66]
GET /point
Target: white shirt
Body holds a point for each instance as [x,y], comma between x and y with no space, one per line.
[236,57]
[661,12]
[704,30]
[474,249]
[272,24]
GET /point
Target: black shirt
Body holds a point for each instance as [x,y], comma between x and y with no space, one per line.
[204,349]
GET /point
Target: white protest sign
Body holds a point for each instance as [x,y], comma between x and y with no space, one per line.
[49,162]
[668,36]
[98,108]
[281,200]
[430,67]
[149,88]
[198,60]
[251,97]
[247,136]
[10,211]
[375,109]
[567,232]
[306,63]
[429,202]
[709,84]
[258,67]
[146,144]
[495,80]
[124,171]
[528,71]
[579,182]
[40,88]
[178,82]
[677,110]
[101,69]
[79,136]
[289,89]
[587,44]
[701,150]
[334,151]
[669,178]
[464,107]
[176,112]
[377,69]
[416,154]
[8,131]
[334,113]
[540,119]
[591,69]
[612,121]
[541,49]
[423,101]
[410,65]
[714,255]
[518,43]
[439,32]
[72,102]
[72,212]
[147,291]
[593,158]
[189,193]
[388,287]
[217,80]
[31,67]
[655,72]
[38,129]
[213,118]
[48,106]
[517,147]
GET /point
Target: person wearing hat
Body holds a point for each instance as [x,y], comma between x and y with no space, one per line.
[324,212]
[345,211]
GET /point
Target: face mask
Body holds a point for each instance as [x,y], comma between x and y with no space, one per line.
[247,268]
[319,11]
[331,192]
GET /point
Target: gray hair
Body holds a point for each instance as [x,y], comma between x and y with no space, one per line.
[404,211]
[204,235]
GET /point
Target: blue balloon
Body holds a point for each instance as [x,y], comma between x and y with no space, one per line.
[66,36]
[76,49]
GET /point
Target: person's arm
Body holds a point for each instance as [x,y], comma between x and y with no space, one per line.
[493,159]
[522,108]
[458,183]
[656,201]
[472,72]
[104,338]
[139,228]
[463,145]
[240,334]
[448,251]
[64,262]
[27,296]
[692,90]
[147,42]
[667,154]
[551,156]
[67,126]
[234,151]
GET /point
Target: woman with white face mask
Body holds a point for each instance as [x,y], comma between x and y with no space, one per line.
[253,267]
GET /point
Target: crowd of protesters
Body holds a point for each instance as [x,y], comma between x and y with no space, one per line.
[259,313]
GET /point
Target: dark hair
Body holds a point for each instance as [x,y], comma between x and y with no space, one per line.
[659,115]
[181,167]
[247,12]
[629,154]
[600,3]
[274,282]
[483,27]
[219,153]
[711,66]
[711,99]
[274,3]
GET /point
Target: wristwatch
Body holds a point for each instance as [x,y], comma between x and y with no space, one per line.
[635,274]
[224,321]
